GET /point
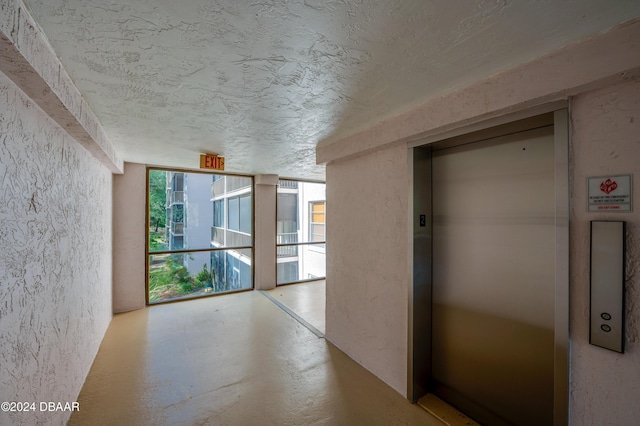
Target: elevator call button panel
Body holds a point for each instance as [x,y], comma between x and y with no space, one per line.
[607,285]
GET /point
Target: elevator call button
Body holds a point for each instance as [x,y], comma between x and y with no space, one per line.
[605,316]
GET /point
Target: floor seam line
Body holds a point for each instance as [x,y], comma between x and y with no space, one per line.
[293,315]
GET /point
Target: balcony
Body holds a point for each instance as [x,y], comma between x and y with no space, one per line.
[222,237]
[287,251]
[217,236]
[288,238]
[235,183]
[287,184]
[284,250]
[177,228]
[177,197]
[176,181]
[229,184]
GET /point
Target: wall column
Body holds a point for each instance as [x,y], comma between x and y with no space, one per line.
[264,260]
[129,222]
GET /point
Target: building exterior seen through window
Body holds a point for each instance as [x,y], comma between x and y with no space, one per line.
[316,227]
[200,234]
[300,231]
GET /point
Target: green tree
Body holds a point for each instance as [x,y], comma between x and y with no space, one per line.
[157,198]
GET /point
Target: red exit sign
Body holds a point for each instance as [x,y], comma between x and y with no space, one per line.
[211,161]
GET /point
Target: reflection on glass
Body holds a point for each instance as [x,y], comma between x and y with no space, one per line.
[186,275]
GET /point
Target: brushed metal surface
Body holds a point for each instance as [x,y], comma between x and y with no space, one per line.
[420,292]
[494,235]
[561,327]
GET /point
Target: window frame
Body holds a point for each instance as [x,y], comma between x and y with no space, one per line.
[250,192]
[285,251]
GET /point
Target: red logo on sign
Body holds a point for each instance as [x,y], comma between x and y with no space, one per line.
[608,186]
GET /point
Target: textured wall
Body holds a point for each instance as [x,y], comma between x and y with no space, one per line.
[129,219]
[55,259]
[599,61]
[367,273]
[27,58]
[605,386]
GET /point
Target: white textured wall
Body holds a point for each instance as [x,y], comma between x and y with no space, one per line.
[129,221]
[27,58]
[55,259]
[605,386]
[367,273]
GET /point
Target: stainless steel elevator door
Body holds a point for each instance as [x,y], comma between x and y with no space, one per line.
[493,278]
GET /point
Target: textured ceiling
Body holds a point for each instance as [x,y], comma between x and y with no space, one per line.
[264,81]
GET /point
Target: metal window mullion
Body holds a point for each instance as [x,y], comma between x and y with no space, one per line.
[309,243]
[154,253]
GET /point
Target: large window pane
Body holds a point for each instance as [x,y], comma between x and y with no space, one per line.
[200,234]
[300,231]
[194,274]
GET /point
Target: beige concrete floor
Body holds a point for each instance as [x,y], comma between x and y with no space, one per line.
[306,300]
[231,360]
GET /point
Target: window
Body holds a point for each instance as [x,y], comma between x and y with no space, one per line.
[218,213]
[200,238]
[240,214]
[316,227]
[287,219]
[300,231]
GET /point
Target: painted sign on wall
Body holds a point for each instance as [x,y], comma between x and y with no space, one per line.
[610,193]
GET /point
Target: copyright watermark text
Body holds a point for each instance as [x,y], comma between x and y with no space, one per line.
[13,406]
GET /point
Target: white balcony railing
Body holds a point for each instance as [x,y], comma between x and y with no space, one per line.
[177,228]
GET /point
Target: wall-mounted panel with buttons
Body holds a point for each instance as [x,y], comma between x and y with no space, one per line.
[607,285]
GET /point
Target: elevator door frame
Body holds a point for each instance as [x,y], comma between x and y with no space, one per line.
[419,351]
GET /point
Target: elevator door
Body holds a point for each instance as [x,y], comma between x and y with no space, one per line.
[493,278]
